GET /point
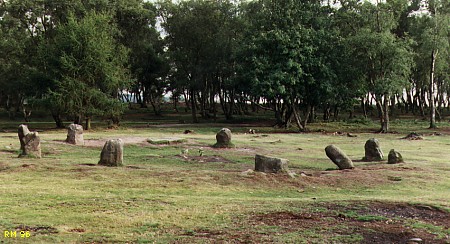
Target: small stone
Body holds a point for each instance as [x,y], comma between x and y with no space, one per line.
[351,135]
[223,138]
[415,240]
[394,157]
[292,174]
[247,172]
[372,150]
[339,157]
[185,151]
[270,164]
[112,153]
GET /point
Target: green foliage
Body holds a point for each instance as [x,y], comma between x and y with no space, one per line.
[286,56]
[90,67]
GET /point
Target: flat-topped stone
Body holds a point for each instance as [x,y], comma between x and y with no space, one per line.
[270,164]
[75,134]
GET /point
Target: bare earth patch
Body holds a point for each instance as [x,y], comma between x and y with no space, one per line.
[43,230]
[371,222]
[206,159]
[101,142]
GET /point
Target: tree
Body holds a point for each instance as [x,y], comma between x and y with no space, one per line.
[285,57]
[384,58]
[89,66]
[200,42]
[428,28]
[136,21]
[17,45]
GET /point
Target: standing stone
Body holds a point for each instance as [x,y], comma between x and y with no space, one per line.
[394,157]
[223,138]
[339,157]
[270,164]
[30,143]
[372,150]
[75,134]
[22,131]
[112,153]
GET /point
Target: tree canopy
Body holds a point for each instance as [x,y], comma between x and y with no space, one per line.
[83,59]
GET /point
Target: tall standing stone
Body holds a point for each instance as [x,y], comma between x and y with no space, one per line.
[22,131]
[394,157]
[30,143]
[270,164]
[339,157]
[112,153]
[223,138]
[372,150]
[75,134]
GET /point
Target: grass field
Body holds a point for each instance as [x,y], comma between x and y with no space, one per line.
[162,196]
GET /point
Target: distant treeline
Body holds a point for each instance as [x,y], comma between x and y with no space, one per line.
[81,58]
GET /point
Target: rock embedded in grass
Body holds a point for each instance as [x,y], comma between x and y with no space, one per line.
[166,140]
[339,157]
[112,153]
[75,134]
[30,143]
[394,157]
[413,136]
[372,150]
[223,138]
[270,164]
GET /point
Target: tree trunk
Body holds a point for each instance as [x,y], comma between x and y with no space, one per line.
[384,115]
[336,113]
[363,107]
[58,120]
[297,118]
[432,105]
[175,102]
[193,107]
[327,113]
[87,125]
[77,119]
[308,113]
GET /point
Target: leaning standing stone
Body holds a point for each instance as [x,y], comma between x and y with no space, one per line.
[112,153]
[339,157]
[270,164]
[394,157]
[75,134]
[372,150]
[223,138]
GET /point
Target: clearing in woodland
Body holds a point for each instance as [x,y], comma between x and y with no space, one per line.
[190,192]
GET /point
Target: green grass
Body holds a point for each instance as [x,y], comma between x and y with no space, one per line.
[440,231]
[158,196]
